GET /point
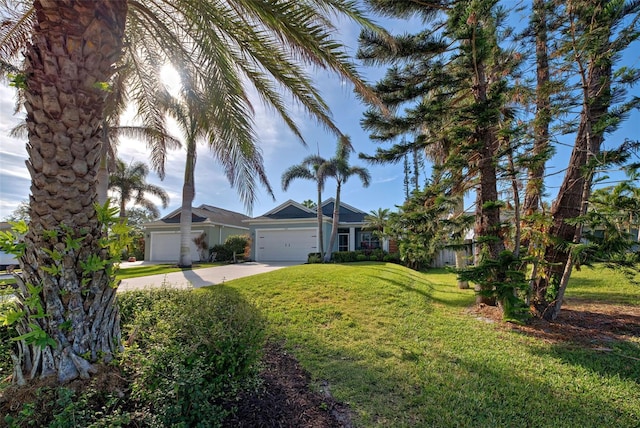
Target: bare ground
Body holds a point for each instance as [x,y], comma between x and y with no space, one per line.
[580,323]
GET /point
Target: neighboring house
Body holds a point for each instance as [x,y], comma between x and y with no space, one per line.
[289,232]
[6,259]
[162,237]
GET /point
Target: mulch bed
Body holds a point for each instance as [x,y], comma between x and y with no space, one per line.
[285,400]
[580,323]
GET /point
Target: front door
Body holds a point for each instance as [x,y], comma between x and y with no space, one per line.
[343,242]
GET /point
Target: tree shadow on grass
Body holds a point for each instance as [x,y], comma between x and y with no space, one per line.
[601,338]
[421,284]
[450,390]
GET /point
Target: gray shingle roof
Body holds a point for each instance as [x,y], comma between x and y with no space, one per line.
[205,213]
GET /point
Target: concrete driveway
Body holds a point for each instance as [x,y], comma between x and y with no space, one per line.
[201,277]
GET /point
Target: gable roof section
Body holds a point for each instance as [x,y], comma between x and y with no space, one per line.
[348,214]
[291,210]
[288,210]
[205,214]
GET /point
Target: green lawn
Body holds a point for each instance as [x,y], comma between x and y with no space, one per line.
[159,269]
[599,284]
[401,350]
[138,271]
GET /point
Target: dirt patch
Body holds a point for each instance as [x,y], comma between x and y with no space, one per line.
[43,393]
[285,400]
[580,323]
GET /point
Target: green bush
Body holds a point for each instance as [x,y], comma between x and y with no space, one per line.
[392,258]
[6,365]
[234,243]
[192,351]
[377,255]
[62,407]
[314,258]
[345,256]
[361,255]
[237,244]
[223,253]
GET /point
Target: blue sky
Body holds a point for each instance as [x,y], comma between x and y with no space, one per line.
[279,147]
[280,150]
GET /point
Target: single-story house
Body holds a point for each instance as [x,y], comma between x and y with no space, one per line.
[289,232]
[162,237]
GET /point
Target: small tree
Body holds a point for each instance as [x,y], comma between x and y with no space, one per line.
[237,244]
[202,245]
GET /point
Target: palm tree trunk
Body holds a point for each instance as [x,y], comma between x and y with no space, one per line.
[74,45]
[102,178]
[320,216]
[334,225]
[123,212]
[188,194]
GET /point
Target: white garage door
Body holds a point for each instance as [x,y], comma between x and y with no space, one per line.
[286,245]
[165,247]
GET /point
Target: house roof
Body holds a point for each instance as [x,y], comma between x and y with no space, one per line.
[205,214]
[347,213]
[292,210]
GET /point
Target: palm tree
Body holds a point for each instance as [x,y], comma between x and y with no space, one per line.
[309,204]
[338,167]
[71,51]
[311,168]
[130,182]
[242,163]
[376,221]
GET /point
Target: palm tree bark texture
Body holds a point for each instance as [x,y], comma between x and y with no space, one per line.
[74,46]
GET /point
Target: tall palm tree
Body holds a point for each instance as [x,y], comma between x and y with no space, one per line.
[71,52]
[338,167]
[130,183]
[242,163]
[312,169]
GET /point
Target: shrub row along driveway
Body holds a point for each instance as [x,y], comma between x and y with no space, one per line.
[201,277]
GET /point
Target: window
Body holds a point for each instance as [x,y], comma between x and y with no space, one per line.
[368,241]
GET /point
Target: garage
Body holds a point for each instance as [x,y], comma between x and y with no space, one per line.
[285,244]
[165,246]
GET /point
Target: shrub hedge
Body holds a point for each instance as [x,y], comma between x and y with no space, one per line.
[188,353]
[357,256]
[192,351]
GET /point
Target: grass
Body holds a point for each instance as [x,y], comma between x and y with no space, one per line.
[138,271]
[603,285]
[159,269]
[400,349]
